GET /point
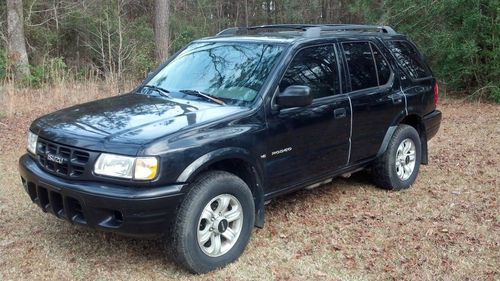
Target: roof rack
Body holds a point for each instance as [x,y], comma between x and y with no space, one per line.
[235,30]
[358,27]
[310,30]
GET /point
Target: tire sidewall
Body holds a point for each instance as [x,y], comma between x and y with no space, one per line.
[228,185]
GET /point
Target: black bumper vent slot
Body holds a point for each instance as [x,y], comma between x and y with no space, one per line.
[64,207]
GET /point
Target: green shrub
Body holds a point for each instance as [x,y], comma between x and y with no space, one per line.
[141,60]
[3,64]
[53,70]
[495,93]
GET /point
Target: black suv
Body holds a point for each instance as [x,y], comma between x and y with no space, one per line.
[230,122]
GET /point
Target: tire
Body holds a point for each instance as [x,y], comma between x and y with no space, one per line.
[194,222]
[394,169]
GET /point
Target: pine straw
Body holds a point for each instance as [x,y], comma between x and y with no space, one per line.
[446,227]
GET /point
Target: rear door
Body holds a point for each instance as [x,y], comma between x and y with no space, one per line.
[307,142]
[416,78]
[375,95]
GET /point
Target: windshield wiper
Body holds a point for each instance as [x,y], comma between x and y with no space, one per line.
[161,91]
[201,94]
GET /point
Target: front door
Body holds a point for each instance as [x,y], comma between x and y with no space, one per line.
[305,143]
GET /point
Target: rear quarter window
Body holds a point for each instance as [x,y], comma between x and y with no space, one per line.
[409,59]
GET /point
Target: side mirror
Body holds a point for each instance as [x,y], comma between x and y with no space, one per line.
[295,96]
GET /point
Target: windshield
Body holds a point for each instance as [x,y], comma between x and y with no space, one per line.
[232,72]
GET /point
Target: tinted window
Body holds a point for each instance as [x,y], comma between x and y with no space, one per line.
[361,65]
[383,69]
[409,59]
[315,67]
[234,72]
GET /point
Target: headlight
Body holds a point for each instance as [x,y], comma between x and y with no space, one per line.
[115,166]
[32,140]
[138,168]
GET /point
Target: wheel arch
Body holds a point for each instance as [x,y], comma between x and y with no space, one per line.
[416,122]
[237,161]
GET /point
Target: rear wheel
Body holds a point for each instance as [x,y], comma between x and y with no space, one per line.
[398,167]
[214,223]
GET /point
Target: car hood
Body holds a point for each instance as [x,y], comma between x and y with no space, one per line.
[123,124]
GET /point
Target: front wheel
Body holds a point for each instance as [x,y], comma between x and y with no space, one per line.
[214,223]
[398,167]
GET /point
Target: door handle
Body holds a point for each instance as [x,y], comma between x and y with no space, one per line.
[339,113]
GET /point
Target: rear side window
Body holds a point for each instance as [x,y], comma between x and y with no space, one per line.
[315,67]
[409,59]
[361,65]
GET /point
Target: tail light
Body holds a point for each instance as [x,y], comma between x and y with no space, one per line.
[436,92]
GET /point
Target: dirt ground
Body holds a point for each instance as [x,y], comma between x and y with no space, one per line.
[446,227]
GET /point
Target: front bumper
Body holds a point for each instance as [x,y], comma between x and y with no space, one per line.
[132,211]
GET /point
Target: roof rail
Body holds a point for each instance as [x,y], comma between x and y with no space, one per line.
[357,27]
[310,30]
[228,31]
[235,30]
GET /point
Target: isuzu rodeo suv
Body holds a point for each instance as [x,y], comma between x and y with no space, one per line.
[230,122]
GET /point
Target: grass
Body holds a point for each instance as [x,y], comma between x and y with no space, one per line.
[446,227]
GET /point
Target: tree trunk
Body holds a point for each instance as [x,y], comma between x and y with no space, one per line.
[268,12]
[16,45]
[162,38]
[246,13]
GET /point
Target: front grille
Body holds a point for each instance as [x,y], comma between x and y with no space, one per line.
[62,160]
[64,207]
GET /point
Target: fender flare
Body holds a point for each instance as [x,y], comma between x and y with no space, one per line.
[390,132]
[202,162]
[388,135]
